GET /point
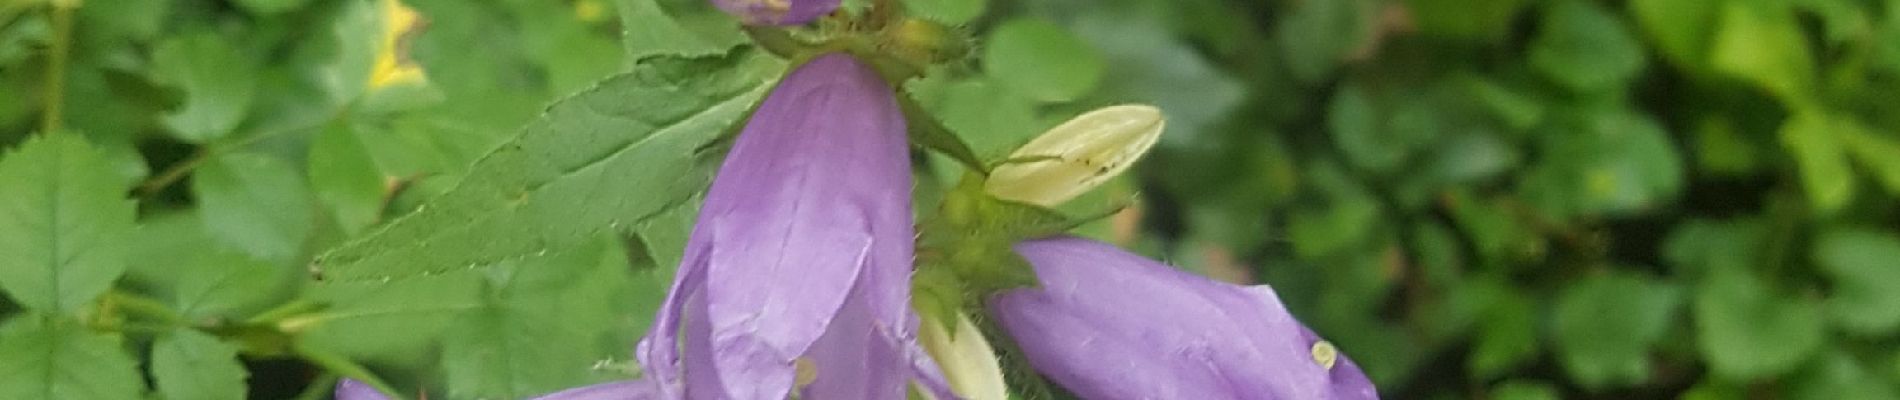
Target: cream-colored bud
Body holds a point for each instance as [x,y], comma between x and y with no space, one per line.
[1076,156]
[967,361]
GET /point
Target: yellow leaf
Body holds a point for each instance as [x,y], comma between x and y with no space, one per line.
[393,66]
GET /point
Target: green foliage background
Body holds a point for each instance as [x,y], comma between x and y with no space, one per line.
[1494,199]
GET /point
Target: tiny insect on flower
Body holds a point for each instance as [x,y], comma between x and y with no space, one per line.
[1077,155]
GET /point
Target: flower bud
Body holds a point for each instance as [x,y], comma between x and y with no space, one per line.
[777,12]
[967,360]
[1077,156]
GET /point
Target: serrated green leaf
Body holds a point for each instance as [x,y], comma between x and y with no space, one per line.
[1746,331]
[501,350]
[610,157]
[1825,175]
[1585,48]
[62,214]
[218,83]
[688,28]
[191,365]
[345,178]
[1041,60]
[255,203]
[1762,43]
[46,358]
[1605,324]
[1865,267]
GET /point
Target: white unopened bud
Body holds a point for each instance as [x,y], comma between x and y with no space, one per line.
[967,361]
[1077,156]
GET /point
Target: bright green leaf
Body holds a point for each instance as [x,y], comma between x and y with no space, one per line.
[1865,267]
[608,158]
[1680,29]
[256,203]
[1747,331]
[1604,326]
[688,28]
[1879,154]
[1041,60]
[63,215]
[1762,43]
[1825,175]
[993,121]
[345,178]
[191,365]
[218,83]
[47,358]
[1585,48]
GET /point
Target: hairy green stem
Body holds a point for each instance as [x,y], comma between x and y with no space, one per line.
[54,95]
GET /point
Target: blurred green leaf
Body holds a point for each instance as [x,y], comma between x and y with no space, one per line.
[1506,337]
[138,20]
[255,203]
[63,217]
[1825,175]
[1584,48]
[993,121]
[1746,331]
[1484,20]
[266,7]
[952,12]
[46,358]
[1762,43]
[501,349]
[1879,154]
[1697,246]
[607,158]
[394,321]
[217,81]
[1154,68]
[1523,390]
[1865,267]
[345,178]
[1681,29]
[191,365]
[1317,35]
[1605,324]
[1838,376]
[688,28]
[1042,61]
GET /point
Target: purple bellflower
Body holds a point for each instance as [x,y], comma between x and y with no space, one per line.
[777,12]
[796,278]
[1109,324]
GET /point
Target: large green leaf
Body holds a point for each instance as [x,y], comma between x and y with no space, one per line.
[574,298]
[1585,48]
[1761,42]
[1680,29]
[62,215]
[346,178]
[1747,331]
[191,365]
[217,80]
[611,157]
[48,358]
[1605,324]
[1865,267]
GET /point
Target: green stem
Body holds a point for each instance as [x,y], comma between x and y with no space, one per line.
[287,310]
[144,307]
[54,95]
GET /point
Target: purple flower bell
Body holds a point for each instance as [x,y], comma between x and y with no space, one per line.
[777,12]
[1108,324]
[797,275]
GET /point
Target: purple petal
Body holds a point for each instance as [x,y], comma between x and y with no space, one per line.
[810,211]
[351,389]
[855,361]
[622,390]
[777,12]
[1181,336]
